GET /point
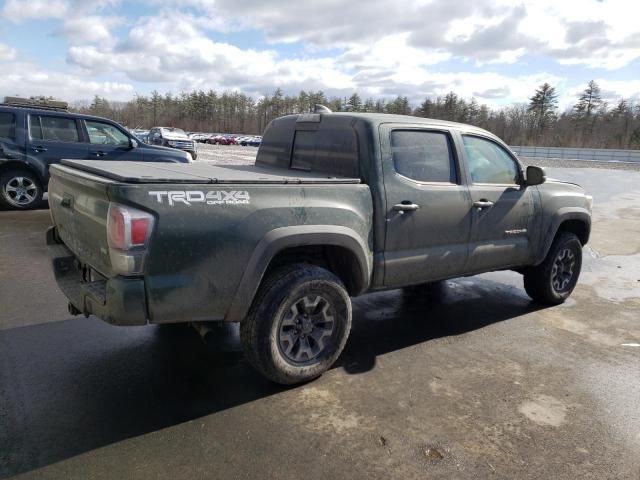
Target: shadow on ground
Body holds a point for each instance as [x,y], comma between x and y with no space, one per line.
[77,385]
[42,205]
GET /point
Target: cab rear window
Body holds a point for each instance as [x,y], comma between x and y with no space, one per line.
[331,151]
[7,125]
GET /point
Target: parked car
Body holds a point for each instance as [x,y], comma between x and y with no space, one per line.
[198,137]
[35,134]
[173,138]
[250,141]
[222,140]
[141,134]
[336,205]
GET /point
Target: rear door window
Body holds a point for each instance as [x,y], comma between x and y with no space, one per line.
[52,128]
[423,156]
[7,125]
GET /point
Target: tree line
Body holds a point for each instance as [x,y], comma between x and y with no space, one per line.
[591,122]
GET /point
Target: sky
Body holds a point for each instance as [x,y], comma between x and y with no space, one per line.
[497,51]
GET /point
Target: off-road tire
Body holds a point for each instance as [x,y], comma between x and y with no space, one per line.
[541,282]
[9,179]
[279,294]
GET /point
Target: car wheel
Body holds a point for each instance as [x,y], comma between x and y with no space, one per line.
[298,324]
[20,190]
[554,279]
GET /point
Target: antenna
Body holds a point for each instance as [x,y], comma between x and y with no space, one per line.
[321,109]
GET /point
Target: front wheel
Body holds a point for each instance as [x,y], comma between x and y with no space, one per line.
[298,324]
[554,279]
[20,190]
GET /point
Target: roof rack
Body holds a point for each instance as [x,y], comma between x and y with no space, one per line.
[42,103]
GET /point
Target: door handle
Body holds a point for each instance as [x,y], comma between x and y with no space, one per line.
[405,207]
[481,204]
[67,201]
[39,149]
[99,153]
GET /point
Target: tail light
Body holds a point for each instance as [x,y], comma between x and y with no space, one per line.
[128,233]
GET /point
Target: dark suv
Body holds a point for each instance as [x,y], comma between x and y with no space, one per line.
[35,134]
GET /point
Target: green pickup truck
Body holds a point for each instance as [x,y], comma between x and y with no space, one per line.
[336,205]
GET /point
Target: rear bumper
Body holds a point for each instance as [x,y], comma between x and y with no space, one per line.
[117,300]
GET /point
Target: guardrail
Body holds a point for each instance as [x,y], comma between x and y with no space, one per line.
[588,154]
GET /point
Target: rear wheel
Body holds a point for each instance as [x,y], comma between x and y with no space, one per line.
[20,190]
[554,279]
[298,324]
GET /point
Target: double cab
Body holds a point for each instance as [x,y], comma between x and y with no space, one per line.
[336,205]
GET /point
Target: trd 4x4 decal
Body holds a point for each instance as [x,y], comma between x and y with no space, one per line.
[215,197]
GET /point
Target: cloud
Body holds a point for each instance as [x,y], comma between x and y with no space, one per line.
[6,52]
[19,10]
[484,31]
[500,92]
[415,48]
[27,80]
[89,29]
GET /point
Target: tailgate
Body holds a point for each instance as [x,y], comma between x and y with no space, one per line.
[79,207]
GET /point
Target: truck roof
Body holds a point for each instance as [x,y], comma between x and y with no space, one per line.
[381,118]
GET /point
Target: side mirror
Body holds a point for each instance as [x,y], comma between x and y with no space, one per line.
[133,143]
[535,176]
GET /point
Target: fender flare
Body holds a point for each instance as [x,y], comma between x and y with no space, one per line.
[562,215]
[282,238]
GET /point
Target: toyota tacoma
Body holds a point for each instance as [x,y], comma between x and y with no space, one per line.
[336,205]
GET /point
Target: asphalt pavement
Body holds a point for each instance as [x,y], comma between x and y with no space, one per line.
[473,382]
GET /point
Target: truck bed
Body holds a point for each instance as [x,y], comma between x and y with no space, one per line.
[200,173]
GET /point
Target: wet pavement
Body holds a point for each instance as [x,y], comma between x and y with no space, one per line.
[472,382]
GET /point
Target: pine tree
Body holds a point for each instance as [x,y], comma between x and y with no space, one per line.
[542,107]
[590,101]
[450,106]
[622,108]
[354,103]
[473,111]
[369,105]
[426,109]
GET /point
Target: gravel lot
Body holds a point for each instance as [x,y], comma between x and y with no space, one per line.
[226,154]
[475,383]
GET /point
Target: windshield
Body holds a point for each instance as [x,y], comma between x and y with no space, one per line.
[179,131]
